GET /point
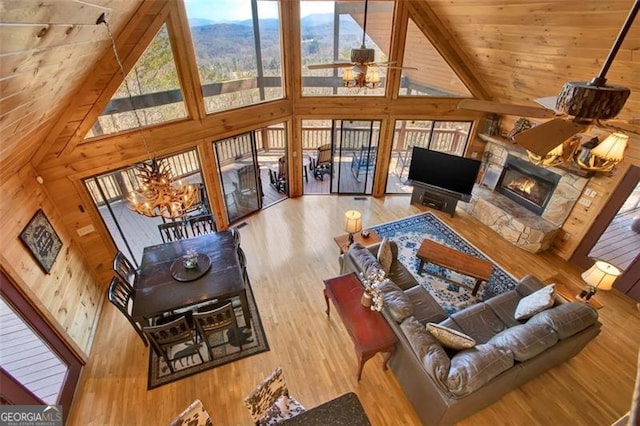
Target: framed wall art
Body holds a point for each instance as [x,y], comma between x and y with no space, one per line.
[41,239]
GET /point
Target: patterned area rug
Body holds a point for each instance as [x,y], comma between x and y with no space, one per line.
[226,349]
[408,234]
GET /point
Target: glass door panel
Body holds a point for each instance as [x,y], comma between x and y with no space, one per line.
[239,175]
[355,151]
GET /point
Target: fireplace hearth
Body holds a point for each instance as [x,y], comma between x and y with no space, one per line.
[526,184]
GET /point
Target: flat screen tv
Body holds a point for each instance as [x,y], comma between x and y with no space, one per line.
[445,171]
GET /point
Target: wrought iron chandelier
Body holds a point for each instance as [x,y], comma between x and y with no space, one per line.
[159,194]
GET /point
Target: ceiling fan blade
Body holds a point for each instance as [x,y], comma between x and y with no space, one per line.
[391,67]
[549,102]
[332,65]
[510,109]
[543,138]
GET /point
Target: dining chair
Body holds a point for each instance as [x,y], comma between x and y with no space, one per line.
[242,259]
[203,224]
[194,415]
[125,269]
[163,337]
[236,236]
[121,296]
[173,231]
[213,319]
[270,403]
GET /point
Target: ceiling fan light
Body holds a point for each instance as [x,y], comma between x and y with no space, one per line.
[612,148]
[373,77]
[347,75]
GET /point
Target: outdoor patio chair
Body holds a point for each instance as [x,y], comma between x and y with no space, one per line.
[194,415]
[173,231]
[203,224]
[121,296]
[164,337]
[247,185]
[213,319]
[125,269]
[270,402]
[365,160]
[321,165]
[279,179]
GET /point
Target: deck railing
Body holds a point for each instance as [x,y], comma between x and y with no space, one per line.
[116,185]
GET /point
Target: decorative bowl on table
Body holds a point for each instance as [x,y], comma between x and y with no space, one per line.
[190,260]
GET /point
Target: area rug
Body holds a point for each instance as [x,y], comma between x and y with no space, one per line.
[408,234]
[226,350]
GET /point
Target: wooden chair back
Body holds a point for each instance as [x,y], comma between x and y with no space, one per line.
[164,336]
[214,320]
[125,269]
[203,224]
[121,296]
[173,231]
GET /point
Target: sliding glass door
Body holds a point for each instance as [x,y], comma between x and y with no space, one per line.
[355,149]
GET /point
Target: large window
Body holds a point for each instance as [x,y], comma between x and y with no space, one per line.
[238,51]
[329,31]
[450,137]
[152,89]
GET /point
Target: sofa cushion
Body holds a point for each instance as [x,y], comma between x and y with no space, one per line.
[385,256]
[363,258]
[567,319]
[450,338]
[434,358]
[528,284]
[401,276]
[472,368]
[536,302]
[504,305]
[479,321]
[395,301]
[525,340]
[425,307]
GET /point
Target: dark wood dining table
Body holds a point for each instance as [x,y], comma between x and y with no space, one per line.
[158,292]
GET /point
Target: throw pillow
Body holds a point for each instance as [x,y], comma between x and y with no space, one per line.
[536,302]
[449,337]
[385,256]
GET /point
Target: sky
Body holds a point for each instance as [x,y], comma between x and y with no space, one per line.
[238,10]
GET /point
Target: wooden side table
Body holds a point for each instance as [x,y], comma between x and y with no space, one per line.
[568,290]
[368,329]
[435,253]
[343,240]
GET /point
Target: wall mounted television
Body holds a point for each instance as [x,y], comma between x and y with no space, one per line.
[444,171]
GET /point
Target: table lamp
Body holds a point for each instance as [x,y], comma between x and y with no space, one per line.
[352,223]
[599,277]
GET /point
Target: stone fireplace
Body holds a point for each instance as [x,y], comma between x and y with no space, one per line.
[525,204]
[526,184]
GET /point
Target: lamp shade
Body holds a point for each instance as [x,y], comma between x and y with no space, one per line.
[347,74]
[353,221]
[601,275]
[612,148]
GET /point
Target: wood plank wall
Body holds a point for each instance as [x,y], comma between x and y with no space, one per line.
[67,296]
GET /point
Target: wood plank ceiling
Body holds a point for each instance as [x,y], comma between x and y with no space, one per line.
[518,51]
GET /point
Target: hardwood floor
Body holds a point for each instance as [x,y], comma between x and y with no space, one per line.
[290,250]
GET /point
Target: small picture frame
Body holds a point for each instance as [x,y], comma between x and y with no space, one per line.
[41,240]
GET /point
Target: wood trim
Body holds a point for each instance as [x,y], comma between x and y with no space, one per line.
[15,393]
[31,315]
[396,48]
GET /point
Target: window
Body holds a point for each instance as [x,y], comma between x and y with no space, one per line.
[152,88]
[238,51]
[329,31]
[450,137]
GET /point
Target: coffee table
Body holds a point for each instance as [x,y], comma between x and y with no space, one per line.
[441,255]
[368,329]
[343,240]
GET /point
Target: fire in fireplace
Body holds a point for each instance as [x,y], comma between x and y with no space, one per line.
[526,184]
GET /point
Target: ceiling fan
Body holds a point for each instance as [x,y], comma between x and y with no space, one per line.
[578,105]
[362,58]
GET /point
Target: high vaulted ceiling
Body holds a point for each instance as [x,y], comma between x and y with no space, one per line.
[513,51]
